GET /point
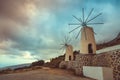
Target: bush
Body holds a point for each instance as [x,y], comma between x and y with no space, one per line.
[38,63]
[6,71]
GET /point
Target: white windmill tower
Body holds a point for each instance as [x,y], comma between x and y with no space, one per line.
[87,41]
[68,49]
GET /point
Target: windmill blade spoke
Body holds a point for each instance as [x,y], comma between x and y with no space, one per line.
[65,39]
[62,47]
[74,29]
[94,17]
[61,44]
[89,14]
[77,18]
[62,50]
[78,34]
[69,40]
[83,13]
[81,20]
[58,51]
[94,23]
[95,33]
[74,24]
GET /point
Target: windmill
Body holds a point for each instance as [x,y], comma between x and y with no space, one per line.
[87,41]
[68,48]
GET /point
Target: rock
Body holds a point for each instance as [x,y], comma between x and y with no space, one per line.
[63,64]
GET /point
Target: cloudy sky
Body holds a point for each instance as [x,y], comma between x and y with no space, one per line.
[31,29]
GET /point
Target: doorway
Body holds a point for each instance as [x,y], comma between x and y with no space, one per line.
[90,49]
[70,58]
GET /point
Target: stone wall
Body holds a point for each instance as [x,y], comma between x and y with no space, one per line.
[109,59]
[80,61]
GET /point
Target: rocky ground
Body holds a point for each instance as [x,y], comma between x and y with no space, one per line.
[43,74]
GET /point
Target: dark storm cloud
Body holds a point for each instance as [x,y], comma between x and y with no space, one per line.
[14,18]
[14,10]
[13,15]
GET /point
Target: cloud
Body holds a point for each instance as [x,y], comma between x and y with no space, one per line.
[10,60]
[27,55]
[17,10]
[110,28]
[14,15]
[36,27]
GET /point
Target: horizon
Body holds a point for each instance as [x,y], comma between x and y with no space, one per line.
[34,29]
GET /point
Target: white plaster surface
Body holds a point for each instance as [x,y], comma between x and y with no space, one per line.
[108,49]
[69,52]
[87,37]
[99,73]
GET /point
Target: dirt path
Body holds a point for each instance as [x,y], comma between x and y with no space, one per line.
[42,74]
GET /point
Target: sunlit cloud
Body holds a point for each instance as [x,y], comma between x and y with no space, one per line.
[27,55]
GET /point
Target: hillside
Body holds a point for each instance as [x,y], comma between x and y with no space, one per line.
[113,42]
[54,62]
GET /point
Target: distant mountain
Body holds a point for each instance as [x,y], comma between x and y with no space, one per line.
[16,66]
[115,41]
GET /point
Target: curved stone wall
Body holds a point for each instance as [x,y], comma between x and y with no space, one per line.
[109,59]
